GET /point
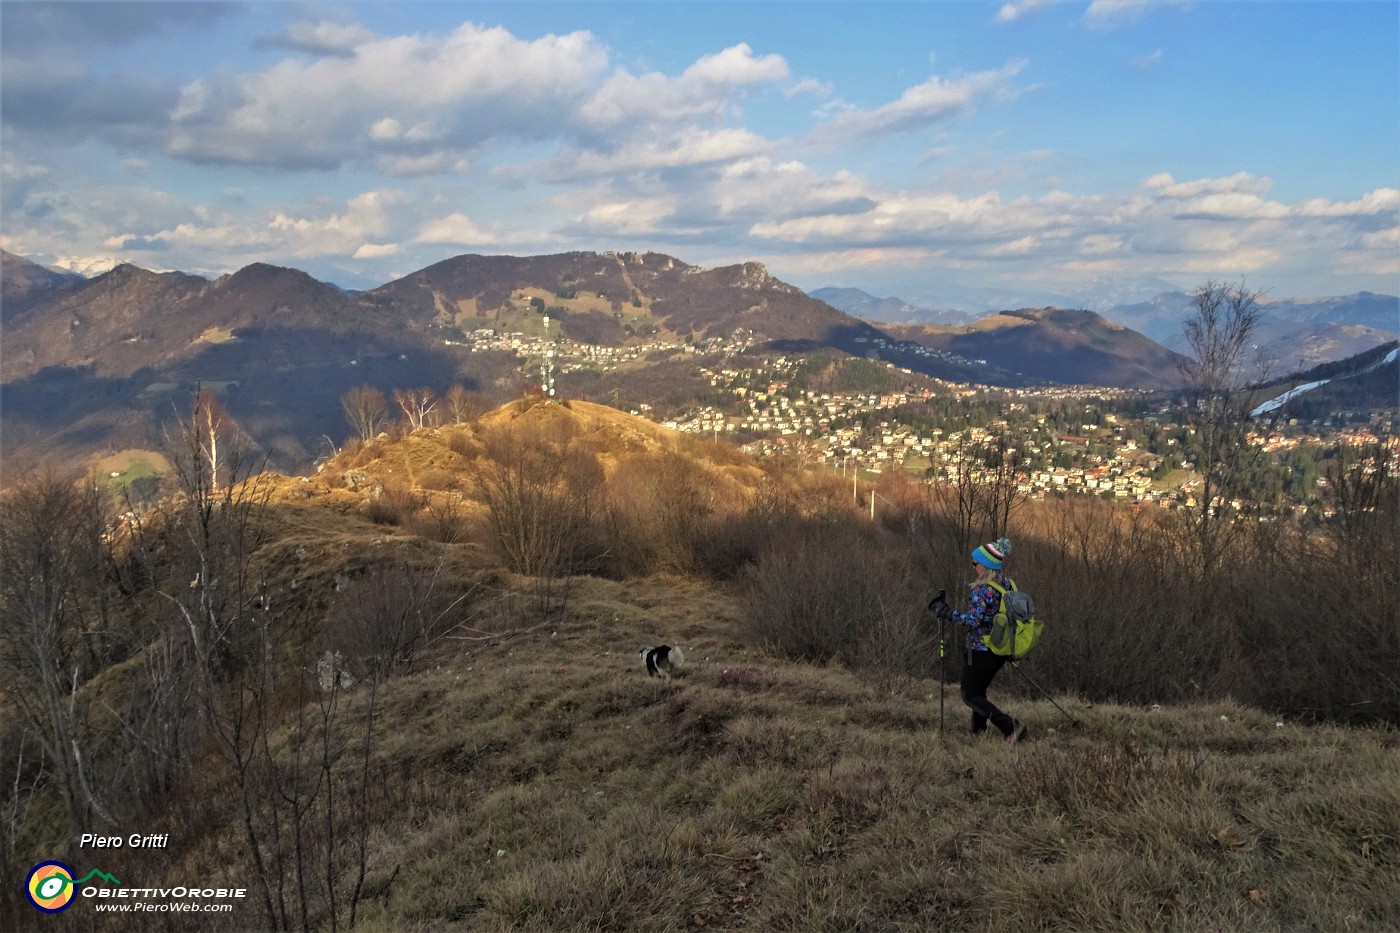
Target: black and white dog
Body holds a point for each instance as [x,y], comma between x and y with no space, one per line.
[662,660]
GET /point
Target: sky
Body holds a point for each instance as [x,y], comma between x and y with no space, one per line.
[947,153]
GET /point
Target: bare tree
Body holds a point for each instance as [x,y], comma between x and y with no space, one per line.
[1363,493]
[1222,366]
[211,425]
[976,498]
[197,551]
[463,405]
[51,575]
[416,404]
[366,409]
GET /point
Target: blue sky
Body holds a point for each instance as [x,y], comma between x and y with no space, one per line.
[1017,152]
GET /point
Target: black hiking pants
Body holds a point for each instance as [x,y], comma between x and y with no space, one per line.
[979,667]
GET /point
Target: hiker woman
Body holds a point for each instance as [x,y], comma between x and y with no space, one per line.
[980,665]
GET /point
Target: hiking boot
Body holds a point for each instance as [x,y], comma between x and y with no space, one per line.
[1018,734]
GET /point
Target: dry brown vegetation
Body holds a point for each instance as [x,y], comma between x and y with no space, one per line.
[496,758]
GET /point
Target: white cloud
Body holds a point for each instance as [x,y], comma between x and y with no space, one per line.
[821,89]
[685,148]
[323,37]
[924,104]
[1382,200]
[432,163]
[366,216]
[386,129]
[1388,238]
[826,263]
[705,89]
[456,229]
[417,105]
[761,188]
[898,218]
[1105,14]
[1241,196]
[14,170]
[1239,183]
[1209,226]
[214,242]
[1012,11]
[390,130]
[627,218]
[19,179]
[736,66]
[401,95]
[1233,206]
[1098,244]
[1375,253]
[1148,62]
[1017,247]
[375,250]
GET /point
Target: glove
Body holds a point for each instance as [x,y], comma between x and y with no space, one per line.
[939,606]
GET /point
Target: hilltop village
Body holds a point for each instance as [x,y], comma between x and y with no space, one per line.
[1087,440]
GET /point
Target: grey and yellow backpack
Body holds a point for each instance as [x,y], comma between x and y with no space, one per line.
[1015,629]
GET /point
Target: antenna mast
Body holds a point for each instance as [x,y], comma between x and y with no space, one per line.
[547,365]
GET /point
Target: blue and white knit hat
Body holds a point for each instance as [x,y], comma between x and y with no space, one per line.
[991,555]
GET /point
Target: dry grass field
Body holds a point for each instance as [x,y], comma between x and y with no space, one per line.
[496,757]
[541,781]
[559,788]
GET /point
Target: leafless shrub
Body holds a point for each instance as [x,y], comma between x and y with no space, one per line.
[1116,595]
[437,480]
[443,519]
[832,588]
[661,505]
[394,505]
[462,443]
[734,540]
[543,496]
[1363,498]
[391,612]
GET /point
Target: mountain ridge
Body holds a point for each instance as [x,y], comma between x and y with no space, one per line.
[1295,331]
[98,364]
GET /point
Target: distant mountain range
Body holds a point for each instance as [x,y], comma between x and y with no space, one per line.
[888,310]
[100,364]
[1296,332]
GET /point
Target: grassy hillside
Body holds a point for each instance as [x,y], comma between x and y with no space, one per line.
[540,780]
[556,787]
[381,722]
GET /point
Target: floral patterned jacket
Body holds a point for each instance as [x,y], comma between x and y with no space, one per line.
[982,608]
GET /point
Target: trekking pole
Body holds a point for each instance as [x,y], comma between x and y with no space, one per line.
[1017,668]
[942,650]
[942,674]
